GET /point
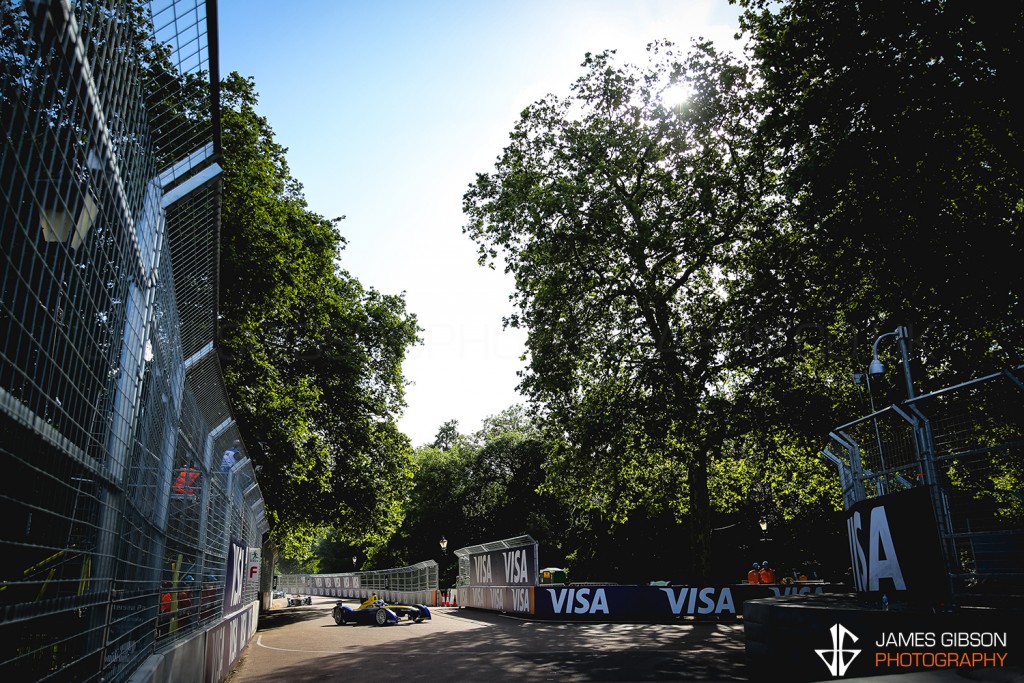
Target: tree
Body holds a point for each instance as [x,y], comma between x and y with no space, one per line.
[312,359]
[447,436]
[503,495]
[432,509]
[473,494]
[626,221]
[514,419]
[903,167]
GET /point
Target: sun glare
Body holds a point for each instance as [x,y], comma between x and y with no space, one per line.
[676,95]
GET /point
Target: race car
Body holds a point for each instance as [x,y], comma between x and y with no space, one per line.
[299,599]
[376,611]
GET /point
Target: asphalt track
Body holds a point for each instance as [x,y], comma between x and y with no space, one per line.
[297,644]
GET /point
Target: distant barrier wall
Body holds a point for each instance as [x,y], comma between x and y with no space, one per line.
[415,584]
[502,576]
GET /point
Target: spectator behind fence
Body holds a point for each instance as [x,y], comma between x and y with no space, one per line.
[186,482]
[209,598]
[230,458]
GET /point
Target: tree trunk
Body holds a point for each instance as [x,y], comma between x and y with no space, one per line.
[700,518]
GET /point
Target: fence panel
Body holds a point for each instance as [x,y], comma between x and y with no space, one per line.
[113,415]
[966,443]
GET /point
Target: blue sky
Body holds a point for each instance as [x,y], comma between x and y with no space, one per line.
[389,109]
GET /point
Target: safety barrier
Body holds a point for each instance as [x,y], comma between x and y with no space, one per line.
[413,584]
[132,516]
[630,603]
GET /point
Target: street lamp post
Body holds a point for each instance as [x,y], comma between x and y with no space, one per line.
[763,523]
[354,561]
[923,448]
[876,367]
[444,552]
[866,376]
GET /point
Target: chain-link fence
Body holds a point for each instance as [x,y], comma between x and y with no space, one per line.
[125,479]
[966,444]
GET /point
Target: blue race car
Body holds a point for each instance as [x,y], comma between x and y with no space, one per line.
[376,611]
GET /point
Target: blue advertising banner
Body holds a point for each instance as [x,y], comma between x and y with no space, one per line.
[656,603]
[225,642]
[512,599]
[234,576]
[509,567]
[895,547]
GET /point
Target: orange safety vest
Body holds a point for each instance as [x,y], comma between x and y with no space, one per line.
[187,481]
[753,576]
[767,575]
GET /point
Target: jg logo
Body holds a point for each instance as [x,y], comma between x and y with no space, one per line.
[835,659]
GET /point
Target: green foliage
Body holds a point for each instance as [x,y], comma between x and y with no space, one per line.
[903,169]
[335,553]
[902,175]
[299,550]
[699,281]
[515,419]
[626,222]
[312,359]
[447,436]
[472,494]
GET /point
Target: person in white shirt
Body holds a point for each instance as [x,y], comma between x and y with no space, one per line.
[229,459]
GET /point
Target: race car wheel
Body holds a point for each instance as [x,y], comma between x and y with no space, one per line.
[339,617]
[381,617]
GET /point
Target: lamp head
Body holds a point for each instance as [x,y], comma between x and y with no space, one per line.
[876,367]
[444,543]
[763,523]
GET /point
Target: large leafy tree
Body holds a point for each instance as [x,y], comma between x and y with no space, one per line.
[312,359]
[904,168]
[627,221]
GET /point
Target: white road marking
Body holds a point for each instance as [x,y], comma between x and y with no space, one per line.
[259,642]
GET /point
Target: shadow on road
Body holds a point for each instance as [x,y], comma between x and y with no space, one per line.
[502,649]
[284,616]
